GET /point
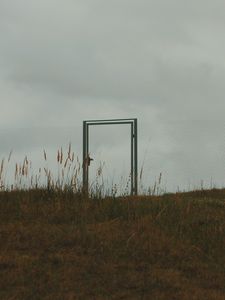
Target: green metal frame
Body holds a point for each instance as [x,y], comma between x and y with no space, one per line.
[134,149]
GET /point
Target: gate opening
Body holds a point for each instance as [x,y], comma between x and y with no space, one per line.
[134,150]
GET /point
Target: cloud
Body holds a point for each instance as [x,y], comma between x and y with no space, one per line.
[162,61]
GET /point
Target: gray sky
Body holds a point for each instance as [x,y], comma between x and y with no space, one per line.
[161,61]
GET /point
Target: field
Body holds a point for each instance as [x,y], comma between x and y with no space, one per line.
[61,245]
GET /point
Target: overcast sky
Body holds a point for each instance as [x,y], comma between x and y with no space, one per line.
[162,61]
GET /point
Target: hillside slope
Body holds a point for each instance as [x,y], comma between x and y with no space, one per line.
[56,245]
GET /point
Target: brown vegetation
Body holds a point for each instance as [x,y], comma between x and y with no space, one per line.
[59,245]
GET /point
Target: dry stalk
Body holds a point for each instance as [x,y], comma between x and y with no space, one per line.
[45,155]
[10,154]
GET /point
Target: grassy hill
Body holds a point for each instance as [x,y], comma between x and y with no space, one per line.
[60,245]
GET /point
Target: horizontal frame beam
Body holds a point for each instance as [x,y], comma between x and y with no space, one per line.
[111,120]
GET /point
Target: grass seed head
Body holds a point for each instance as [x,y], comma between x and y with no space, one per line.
[10,154]
[61,156]
[45,155]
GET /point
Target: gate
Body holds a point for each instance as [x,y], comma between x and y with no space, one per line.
[134,149]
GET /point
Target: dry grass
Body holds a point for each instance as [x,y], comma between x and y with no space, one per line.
[59,245]
[67,176]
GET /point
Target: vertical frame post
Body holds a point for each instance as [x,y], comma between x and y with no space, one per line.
[132,158]
[85,157]
[135,157]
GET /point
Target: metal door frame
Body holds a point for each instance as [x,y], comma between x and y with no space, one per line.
[134,150]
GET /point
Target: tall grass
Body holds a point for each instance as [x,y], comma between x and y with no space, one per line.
[67,175]
[25,177]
